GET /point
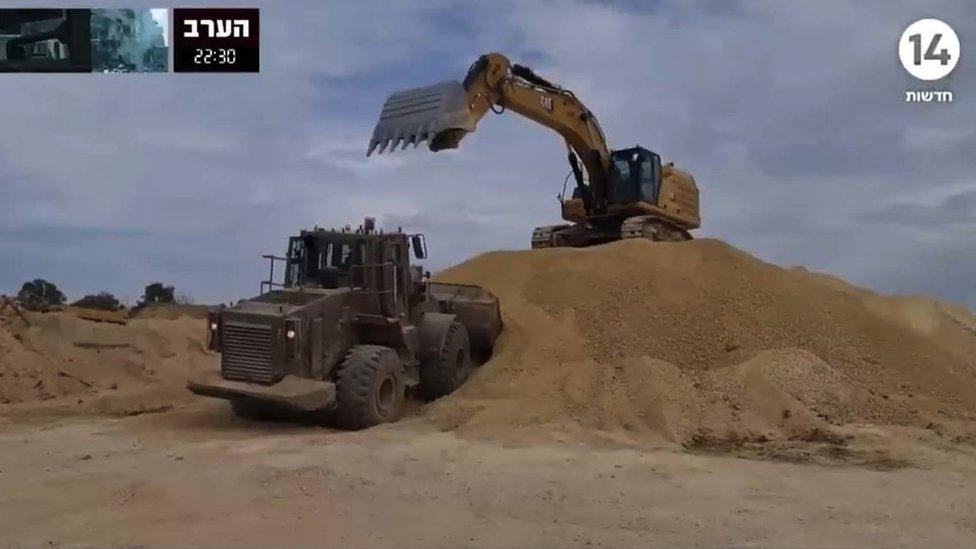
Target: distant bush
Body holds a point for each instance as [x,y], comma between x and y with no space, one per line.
[40,294]
[103,301]
[158,293]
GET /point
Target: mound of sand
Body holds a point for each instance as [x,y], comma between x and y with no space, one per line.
[700,341]
[63,362]
[691,343]
[170,311]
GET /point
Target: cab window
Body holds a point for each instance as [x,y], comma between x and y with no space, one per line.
[344,257]
[623,168]
[295,265]
[325,256]
[650,179]
[623,188]
[335,256]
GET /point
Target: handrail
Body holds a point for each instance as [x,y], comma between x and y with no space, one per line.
[270,283]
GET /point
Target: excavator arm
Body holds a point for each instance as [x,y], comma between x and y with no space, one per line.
[444,113]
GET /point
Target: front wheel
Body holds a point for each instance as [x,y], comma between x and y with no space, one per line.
[446,372]
[369,387]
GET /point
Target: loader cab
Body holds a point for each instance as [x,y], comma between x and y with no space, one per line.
[323,259]
[635,175]
[369,263]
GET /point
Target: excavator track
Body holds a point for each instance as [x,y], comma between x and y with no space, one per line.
[652,228]
[542,236]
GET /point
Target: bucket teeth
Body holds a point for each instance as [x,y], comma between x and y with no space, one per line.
[419,114]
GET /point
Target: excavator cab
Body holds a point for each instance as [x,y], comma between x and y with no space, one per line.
[635,176]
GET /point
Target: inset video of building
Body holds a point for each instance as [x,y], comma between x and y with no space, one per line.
[129,40]
[81,40]
[45,40]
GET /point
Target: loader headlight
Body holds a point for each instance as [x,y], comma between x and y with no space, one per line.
[292,331]
[213,334]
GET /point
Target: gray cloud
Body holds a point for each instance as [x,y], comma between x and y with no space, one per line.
[957,209]
[791,117]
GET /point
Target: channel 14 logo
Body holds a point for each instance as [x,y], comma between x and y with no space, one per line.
[929,50]
[216,40]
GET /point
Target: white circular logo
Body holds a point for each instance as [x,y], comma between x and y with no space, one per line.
[929,49]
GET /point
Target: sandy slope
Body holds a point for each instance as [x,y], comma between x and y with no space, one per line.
[702,343]
[63,364]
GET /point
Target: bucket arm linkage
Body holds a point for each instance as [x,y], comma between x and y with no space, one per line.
[444,113]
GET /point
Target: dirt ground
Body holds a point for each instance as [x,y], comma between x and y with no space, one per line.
[198,476]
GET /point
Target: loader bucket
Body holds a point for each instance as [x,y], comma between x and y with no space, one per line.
[476,308]
[438,114]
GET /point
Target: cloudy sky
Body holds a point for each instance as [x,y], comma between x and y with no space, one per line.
[791,116]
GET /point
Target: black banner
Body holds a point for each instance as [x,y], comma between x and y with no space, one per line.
[216,40]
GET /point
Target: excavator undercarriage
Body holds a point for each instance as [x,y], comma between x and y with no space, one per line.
[580,235]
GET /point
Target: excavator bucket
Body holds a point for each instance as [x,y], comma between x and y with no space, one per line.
[438,114]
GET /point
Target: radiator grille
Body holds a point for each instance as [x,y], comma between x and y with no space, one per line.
[247,353]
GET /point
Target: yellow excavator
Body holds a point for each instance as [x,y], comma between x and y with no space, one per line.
[625,193]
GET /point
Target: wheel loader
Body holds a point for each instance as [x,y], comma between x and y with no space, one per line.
[351,331]
[624,193]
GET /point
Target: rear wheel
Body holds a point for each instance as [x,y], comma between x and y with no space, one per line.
[369,387]
[443,374]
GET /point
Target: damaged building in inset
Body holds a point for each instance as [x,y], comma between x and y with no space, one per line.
[127,40]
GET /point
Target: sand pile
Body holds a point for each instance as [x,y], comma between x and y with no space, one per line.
[64,363]
[170,311]
[700,341]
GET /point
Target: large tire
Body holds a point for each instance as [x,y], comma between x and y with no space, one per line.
[369,387]
[446,372]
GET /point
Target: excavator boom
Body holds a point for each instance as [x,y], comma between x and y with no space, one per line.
[619,194]
[444,113]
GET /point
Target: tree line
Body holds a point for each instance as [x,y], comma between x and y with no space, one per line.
[39,294]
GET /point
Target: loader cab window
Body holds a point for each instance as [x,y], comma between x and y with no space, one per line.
[328,263]
[333,255]
[296,262]
[343,257]
[397,256]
